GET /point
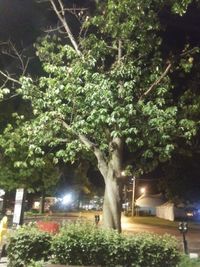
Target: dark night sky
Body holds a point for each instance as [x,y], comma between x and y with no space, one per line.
[22,20]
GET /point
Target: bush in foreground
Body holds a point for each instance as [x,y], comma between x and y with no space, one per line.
[82,244]
[27,244]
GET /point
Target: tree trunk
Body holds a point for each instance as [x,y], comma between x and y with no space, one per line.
[111,168]
[112,204]
[42,202]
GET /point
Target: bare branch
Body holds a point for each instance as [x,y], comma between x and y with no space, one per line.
[9,78]
[157,81]
[18,55]
[51,29]
[119,50]
[75,9]
[4,84]
[79,13]
[25,66]
[62,8]
[190,51]
[9,49]
[61,16]
[7,99]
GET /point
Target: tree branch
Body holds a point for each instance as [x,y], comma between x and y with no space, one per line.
[91,146]
[9,49]
[62,8]
[157,81]
[7,99]
[119,50]
[51,29]
[61,16]
[9,78]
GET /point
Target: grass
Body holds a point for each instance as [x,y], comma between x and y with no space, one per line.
[153,221]
[150,220]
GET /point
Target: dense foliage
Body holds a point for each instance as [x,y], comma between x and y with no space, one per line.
[103,96]
[84,244]
[27,244]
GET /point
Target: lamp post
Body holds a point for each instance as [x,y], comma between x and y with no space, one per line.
[133,197]
[183,228]
[123,173]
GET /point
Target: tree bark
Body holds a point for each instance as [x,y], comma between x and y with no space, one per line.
[113,187]
[112,204]
[42,202]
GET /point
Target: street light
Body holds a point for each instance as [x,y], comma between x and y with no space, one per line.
[143,190]
[67,199]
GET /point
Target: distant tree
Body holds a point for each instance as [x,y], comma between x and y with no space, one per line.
[180,175]
[180,180]
[41,179]
[108,91]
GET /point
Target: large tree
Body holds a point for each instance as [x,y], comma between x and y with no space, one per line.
[106,92]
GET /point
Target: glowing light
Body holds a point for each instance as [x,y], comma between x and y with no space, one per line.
[67,199]
[143,190]
[123,173]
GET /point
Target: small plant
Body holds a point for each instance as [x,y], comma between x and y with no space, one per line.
[26,244]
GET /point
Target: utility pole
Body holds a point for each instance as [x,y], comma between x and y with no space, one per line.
[133,197]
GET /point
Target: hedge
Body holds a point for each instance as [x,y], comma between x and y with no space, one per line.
[84,244]
[28,244]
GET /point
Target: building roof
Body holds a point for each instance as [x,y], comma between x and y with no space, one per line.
[146,200]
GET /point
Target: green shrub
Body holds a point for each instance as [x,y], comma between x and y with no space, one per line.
[157,250]
[26,244]
[79,245]
[83,244]
[187,262]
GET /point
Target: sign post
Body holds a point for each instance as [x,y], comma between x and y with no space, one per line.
[18,216]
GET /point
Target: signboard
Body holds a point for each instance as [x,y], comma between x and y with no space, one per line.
[18,209]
